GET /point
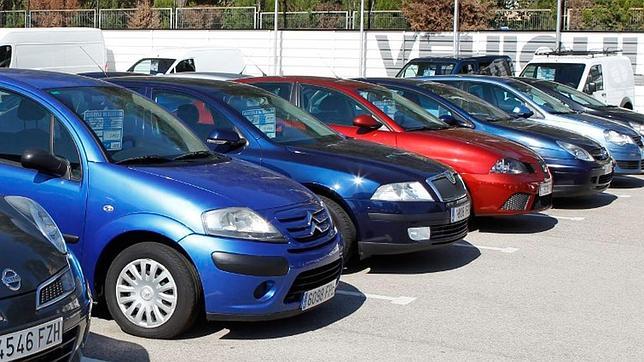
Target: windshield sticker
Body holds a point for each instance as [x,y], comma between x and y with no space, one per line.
[387,106]
[429,72]
[262,118]
[108,126]
[545,73]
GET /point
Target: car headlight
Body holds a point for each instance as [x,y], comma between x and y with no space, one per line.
[40,218]
[637,127]
[240,223]
[578,152]
[510,166]
[617,138]
[403,191]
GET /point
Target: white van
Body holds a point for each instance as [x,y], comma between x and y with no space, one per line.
[606,75]
[168,61]
[69,50]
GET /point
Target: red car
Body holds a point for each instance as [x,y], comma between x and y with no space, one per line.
[503,177]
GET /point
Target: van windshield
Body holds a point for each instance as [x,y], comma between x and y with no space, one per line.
[131,128]
[564,73]
[152,66]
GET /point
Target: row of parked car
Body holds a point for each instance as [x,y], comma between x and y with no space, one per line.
[186,197]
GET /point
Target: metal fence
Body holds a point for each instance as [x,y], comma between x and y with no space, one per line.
[117,19]
[306,20]
[13,19]
[232,18]
[381,20]
[524,19]
[68,18]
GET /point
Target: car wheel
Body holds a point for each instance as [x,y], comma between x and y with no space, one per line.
[345,226]
[152,291]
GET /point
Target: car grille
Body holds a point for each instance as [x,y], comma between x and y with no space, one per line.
[446,189]
[518,201]
[312,279]
[306,225]
[629,165]
[541,202]
[51,292]
[603,179]
[443,234]
[599,154]
[62,352]
[638,140]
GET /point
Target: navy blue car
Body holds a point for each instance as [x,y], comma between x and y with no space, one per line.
[579,165]
[497,65]
[383,200]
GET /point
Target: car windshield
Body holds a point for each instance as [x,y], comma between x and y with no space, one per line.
[427,69]
[473,105]
[275,117]
[573,94]
[404,112]
[549,103]
[130,128]
[565,73]
[152,66]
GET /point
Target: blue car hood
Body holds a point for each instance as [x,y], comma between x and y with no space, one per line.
[545,133]
[600,122]
[238,182]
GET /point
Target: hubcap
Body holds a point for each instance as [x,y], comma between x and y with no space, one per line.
[146,293]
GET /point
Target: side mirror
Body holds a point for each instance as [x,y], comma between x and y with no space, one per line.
[225,140]
[590,88]
[449,119]
[366,121]
[523,111]
[43,161]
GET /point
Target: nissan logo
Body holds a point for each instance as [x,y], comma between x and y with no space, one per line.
[11,279]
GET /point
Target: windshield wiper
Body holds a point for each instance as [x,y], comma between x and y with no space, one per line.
[143,160]
[193,155]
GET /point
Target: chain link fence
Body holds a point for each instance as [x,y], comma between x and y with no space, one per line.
[13,19]
[309,20]
[219,18]
[65,18]
[120,19]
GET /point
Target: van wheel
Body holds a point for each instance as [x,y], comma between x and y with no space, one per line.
[345,226]
[152,291]
[628,106]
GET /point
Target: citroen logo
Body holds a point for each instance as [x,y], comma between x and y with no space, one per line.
[450,177]
[11,279]
[318,223]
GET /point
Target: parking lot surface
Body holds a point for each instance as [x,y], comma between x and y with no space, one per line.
[563,284]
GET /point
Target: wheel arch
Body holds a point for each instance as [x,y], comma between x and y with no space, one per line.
[328,193]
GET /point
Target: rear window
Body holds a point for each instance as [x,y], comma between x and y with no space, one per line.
[564,73]
[426,69]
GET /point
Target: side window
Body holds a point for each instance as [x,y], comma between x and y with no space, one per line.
[494,94]
[194,113]
[411,71]
[329,106]
[279,89]
[5,56]
[186,65]
[144,66]
[467,68]
[427,103]
[25,124]
[595,76]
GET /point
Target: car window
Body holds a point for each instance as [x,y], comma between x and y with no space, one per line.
[25,124]
[498,67]
[431,69]
[565,73]
[186,65]
[329,106]
[467,68]
[595,76]
[430,105]
[279,89]
[411,70]
[577,96]
[475,106]
[494,94]
[5,56]
[152,66]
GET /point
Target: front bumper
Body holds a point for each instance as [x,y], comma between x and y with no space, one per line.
[383,226]
[573,178]
[503,194]
[245,280]
[629,159]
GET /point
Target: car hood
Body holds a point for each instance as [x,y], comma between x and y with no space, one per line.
[236,183]
[621,114]
[600,122]
[26,252]
[548,133]
[352,156]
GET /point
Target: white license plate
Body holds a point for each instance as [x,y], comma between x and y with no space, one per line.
[459,213]
[318,295]
[31,340]
[545,188]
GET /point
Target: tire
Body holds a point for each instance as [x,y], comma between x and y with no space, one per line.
[345,226]
[167,320]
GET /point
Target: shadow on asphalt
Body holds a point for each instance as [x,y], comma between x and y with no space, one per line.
[101,348]
[626,182]
[430,261]
[341,306]
[584,202]
[517,224]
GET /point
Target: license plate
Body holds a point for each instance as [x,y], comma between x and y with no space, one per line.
[31,340]
[545,188]
[318,295]
[461,212]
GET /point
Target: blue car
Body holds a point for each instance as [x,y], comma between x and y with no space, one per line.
[623,144]
[579,165]
[164,229]
[383,200]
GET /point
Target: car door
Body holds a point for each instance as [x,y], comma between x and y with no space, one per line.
[25,124]
[595,83]
[338,110]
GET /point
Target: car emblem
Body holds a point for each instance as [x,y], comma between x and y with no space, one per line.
[450,177]
[320,225]
[11,279]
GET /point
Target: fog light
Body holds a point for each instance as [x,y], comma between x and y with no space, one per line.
[264,290]
[421,233]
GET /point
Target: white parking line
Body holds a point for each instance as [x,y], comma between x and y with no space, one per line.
[507,250]
[392,300]
[622,196]
[571,218]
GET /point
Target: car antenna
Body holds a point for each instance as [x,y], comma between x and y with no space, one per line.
[93,61]
[255,65]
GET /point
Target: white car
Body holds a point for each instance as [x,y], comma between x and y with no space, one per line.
[606,75]
[172,60]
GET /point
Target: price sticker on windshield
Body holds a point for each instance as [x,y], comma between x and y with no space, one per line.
[262,118]
[108,127]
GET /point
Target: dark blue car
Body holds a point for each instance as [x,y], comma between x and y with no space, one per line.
[383,200]
[166,231]
[579,165]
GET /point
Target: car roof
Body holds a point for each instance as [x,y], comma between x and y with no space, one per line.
[45,80]
[461,58]
[200,83]
[323,81]
[475,77]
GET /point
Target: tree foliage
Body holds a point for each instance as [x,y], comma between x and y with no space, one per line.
[437,15]
[144,17]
